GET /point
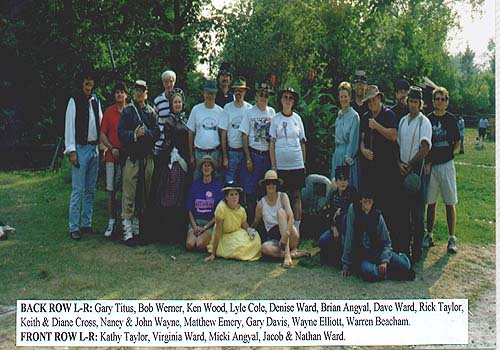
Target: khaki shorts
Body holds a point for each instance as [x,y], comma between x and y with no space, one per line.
[113,176]
[443,180]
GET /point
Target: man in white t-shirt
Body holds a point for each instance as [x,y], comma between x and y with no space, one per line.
[203,133]
[414,140]
[233,157]
[255,136]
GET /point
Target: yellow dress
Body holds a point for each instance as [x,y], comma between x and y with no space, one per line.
[234,243]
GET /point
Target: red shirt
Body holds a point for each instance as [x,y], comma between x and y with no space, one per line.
[109,127]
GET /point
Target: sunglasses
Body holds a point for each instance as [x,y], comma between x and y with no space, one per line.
[271,182]
[442,99]
[263,94]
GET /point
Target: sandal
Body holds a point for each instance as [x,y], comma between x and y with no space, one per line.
[298,253]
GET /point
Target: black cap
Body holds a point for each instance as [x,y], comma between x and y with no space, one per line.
[402,84]
[360,77]
[342,172]
[415,93]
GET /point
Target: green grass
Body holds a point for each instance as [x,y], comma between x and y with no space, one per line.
[42,262]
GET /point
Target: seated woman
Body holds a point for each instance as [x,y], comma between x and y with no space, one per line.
[203,197]
[274,208]
[332,240]
[233,238]
[367,246]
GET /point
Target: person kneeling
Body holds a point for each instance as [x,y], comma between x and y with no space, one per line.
[367,247]
[274,208]
[233,237]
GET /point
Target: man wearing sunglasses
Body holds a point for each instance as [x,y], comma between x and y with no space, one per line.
[255,138]
[441,167]
[224,94]
[233,157]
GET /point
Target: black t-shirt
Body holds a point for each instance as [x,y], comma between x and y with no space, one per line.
[221,100]
[382,148]
[360,109]
[400,111]
[444,136]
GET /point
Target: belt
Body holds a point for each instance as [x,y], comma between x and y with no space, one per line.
[235,149]
[93,143]
[208,150]
[258,152]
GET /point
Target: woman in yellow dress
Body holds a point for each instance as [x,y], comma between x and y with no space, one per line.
[233,237]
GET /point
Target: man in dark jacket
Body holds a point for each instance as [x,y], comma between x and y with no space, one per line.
[138,130]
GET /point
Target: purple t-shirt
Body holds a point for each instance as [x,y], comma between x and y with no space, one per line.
[203,198]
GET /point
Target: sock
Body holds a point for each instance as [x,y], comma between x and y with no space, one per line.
[111,222]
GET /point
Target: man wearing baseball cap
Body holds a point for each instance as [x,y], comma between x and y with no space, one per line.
[138,130]
[358,100]
[203,133]
[224,94]
[400,109]
[233,157]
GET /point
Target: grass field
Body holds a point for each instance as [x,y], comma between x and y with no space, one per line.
[41,262]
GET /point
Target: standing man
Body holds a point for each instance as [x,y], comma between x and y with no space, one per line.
[255,132]
[378,147]
[224,95]
[233,157]
[441,167]
[414,139]
[482,127]
[461,130]
[81,135]
[138,130]
[110,139]
[400,109]
[358,101]
[162,106]
[203,137]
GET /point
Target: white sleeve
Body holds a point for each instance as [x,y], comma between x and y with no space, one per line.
[224,120]
[191,124]
[244,125]
[302,132]
[426,134]
[273,129]
[69,130]
[100,112]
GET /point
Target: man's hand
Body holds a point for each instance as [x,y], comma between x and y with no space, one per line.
[116,153]
[250,166]
[427,169]
[372,123]
[368,154]
[403,169]
[139,132]
[192,162]
[382,269]
[225,162]
[73,158]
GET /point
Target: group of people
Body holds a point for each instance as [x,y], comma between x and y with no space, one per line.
[212,178]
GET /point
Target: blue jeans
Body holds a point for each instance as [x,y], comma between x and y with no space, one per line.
[331,250]
[261,164]
[397,269]
[236,162]
[83,181]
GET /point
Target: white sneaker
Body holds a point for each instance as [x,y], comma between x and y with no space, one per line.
[127,230]
[135,226]
[110,229]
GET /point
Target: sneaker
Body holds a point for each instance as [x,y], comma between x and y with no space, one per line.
[428,240]
[452,245]
[75,235]
[127,230]
[109,231]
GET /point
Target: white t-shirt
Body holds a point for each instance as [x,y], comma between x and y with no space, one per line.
[231,120]
[203,122]
[255,124]
[288,133]
[410,136]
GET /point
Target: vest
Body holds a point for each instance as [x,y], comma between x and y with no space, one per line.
[82,118]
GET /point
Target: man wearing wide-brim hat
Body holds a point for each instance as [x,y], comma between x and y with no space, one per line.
[203,137]
[233,157]
[255,138]
[414,140]
[379,169]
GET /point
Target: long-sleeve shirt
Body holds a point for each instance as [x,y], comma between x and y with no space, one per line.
[70,130]
[376,249]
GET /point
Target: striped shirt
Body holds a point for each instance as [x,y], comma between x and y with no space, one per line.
[162,107]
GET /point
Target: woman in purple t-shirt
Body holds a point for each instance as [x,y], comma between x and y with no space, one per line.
[203,197]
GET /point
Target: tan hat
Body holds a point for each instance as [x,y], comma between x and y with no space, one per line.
[207,158]
[372,91]
[270,175]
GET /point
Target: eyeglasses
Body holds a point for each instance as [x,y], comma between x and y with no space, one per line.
[263,94]
[442,99]
[238,90]
[271,182]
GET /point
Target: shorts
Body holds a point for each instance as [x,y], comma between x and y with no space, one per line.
[201,222]
[482,131]
[114,172]
[443,179]
[292,179]
[274,235]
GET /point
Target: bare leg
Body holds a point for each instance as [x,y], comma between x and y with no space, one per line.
[451,217]
[191,240]
[431,217]
[203,240]
[297,205]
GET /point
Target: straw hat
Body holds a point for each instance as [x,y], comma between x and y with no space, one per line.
[270,175]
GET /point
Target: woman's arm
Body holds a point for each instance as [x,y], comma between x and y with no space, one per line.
[272,155]
[258,215]
[218,234]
